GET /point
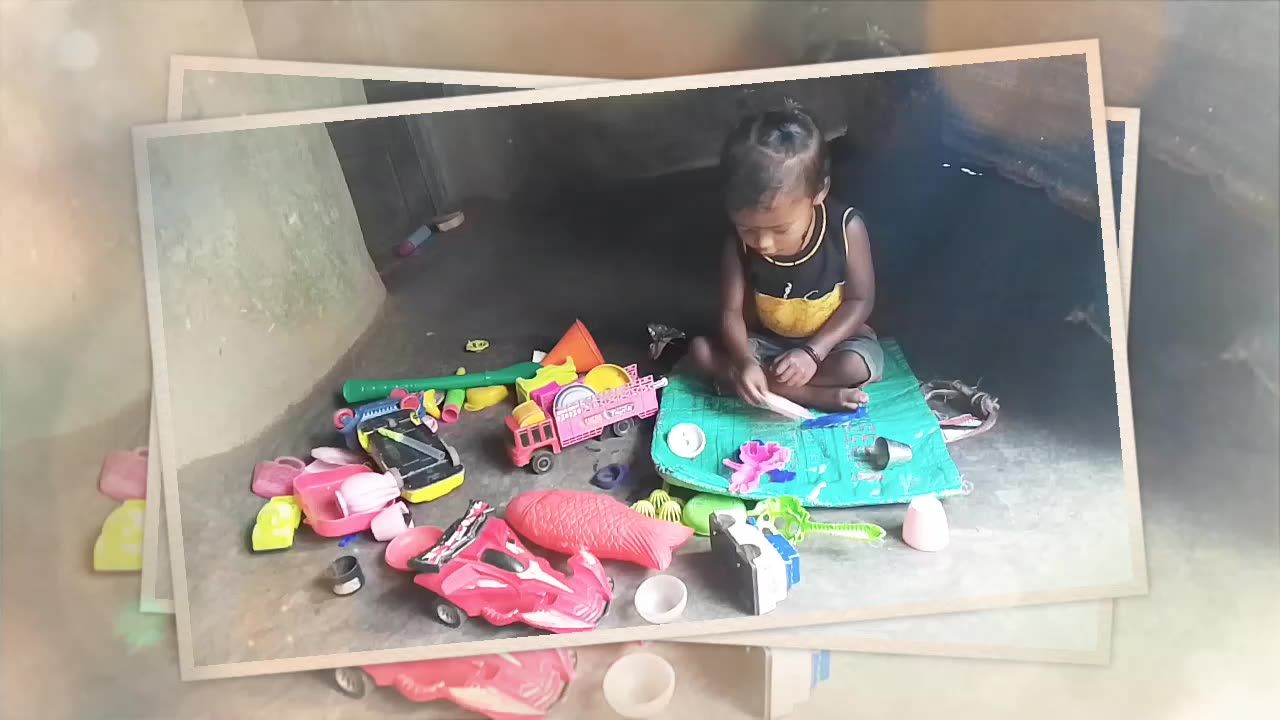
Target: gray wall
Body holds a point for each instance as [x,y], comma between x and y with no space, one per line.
[553,148]
[265,280]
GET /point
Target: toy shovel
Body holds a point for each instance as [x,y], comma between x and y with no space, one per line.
[787,516]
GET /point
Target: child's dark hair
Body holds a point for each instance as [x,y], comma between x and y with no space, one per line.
[773,152]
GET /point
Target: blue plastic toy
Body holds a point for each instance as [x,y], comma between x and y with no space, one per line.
[789,556]
[835,419]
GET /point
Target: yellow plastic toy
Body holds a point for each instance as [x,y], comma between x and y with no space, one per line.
[476,346]
[277,521]
[564,374]
[671,511]
[603,378]
[119,545]
[481,398]
[429,401]
[528,414]
[660,505]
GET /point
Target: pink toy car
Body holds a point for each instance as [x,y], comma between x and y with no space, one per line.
[479,568]
[499,687]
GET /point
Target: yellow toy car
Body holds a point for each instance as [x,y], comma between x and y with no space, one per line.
[119,545]
[277,521]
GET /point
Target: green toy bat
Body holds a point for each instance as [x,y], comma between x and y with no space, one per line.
[357,391]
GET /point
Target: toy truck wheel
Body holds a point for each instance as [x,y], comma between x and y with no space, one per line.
[353,682]
[542,462]
[447,613]
[624,426]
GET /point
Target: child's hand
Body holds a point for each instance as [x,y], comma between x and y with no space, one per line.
[751,383]
[794,368]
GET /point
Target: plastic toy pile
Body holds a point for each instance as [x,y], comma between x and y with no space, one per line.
[394,457]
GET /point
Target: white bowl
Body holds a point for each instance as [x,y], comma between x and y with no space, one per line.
[661,599]
[639,685]
[686,440]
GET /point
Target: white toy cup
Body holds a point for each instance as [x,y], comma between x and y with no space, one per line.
[639,685]
[661,599]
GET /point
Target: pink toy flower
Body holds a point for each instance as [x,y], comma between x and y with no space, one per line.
[756,459]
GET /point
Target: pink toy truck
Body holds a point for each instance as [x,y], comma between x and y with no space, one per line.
[537,445]
[523,686]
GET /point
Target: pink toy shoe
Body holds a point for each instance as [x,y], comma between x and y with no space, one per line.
[325,459]
[926,526]
[274,478]
[755,460]
[338,457]
[124,474]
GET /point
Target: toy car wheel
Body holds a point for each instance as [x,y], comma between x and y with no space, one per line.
[447,613]
[624,426]
[341,418]
[353,682]
[542,461]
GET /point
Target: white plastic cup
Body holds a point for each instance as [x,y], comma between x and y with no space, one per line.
[639,685]
[661,599]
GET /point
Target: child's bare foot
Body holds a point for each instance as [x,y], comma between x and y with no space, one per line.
[824,399]
[836,399]
[853,398]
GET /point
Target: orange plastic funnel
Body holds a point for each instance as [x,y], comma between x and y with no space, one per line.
[578,344]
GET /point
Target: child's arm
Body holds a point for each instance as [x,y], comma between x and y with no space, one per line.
[733,300]
[748,377]
[797,367]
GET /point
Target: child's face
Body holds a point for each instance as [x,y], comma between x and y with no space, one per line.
[779,228]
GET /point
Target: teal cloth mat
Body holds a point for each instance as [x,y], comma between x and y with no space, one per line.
[830,471]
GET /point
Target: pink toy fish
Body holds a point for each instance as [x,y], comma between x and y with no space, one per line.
[567,520]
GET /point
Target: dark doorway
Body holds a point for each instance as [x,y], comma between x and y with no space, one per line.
[388,168]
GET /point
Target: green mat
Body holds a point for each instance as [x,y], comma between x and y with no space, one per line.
[830,471]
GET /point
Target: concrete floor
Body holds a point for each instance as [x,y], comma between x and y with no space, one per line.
[1047,519]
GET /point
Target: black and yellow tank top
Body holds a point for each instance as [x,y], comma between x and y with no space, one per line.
[794,296]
